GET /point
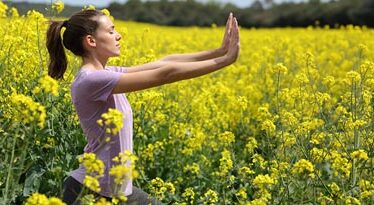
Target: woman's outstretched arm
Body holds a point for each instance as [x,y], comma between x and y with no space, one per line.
[176,71]
[190,57]
[205,55]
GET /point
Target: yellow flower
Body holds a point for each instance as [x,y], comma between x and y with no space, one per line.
[262,181]
[268,126]
[303,166]
[317,154]
[245,171]
[352,201]
[259,201]
[367,194]
[149,151]
[115,201]
[241,194]
[259,160]
[92,183]
[189,195]
[58,6]
[88,199]
[226,138]
[107,13]
[112,120]
[324,200]
[363,48]
[359,154]
[280,68]
[170,187]
[251,144]
[102,201]
[317,138]
[353,76]
[89,7]
[334,188]
[210,197]
[288,119]
[225,163]
[125,168]
[41,199]
[32,14]
[242,102]
[55,201]
[48,85]
[302,78]
[329,81]
[339,164]
[159,188]
[365,184]
[3,9]
[193,168]
[121,173]
[123,198]
[37,199]
[93,165]
[14,12]
[23,109]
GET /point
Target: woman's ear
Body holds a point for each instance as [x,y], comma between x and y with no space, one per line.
[89,41]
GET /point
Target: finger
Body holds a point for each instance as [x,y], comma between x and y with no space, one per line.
[234,26]
[236,30]
[237,25]
[229,19]
[233,23]
[229,23]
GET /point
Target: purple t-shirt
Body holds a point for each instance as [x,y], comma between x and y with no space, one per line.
[91,95]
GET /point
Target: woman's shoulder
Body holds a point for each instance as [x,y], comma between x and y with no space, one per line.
[87,77]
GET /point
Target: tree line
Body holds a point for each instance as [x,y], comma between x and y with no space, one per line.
[261,13]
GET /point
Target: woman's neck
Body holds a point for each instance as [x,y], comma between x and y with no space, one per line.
[93,63]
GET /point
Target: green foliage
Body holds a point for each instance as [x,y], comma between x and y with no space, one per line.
[260,13]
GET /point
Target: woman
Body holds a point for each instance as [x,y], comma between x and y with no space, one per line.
[91,35]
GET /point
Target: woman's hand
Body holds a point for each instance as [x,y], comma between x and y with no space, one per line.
[234,42]
[226,38]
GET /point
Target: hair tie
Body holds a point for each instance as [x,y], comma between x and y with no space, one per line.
[65,23]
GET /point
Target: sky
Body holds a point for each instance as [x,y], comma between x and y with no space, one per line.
[103,3]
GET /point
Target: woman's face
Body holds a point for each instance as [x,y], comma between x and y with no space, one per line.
[107,38]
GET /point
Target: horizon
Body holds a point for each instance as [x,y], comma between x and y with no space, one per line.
[100,3]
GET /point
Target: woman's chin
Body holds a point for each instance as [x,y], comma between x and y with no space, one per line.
[116,54]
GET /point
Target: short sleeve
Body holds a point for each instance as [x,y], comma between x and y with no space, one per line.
[117,69]
[100,84]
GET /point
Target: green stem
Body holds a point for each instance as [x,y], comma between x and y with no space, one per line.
[9,172]
[39,50]
[355,131]
[278,86]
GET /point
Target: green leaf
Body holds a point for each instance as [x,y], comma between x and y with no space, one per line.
[32,182]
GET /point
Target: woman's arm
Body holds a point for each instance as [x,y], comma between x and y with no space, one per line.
[147,66]
[176,71]
[205,55]
[190,57]
[198,56]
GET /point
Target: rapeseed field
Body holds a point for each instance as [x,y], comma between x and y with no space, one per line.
[291,122]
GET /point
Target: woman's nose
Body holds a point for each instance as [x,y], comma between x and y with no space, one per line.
[119,37]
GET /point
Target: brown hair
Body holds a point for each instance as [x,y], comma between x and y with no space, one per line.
[77,27]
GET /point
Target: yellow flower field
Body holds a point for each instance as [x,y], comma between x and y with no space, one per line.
[291,122]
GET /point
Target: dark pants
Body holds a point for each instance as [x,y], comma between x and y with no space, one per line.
[72,189]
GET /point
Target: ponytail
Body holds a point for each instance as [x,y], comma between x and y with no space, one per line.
[57,57]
